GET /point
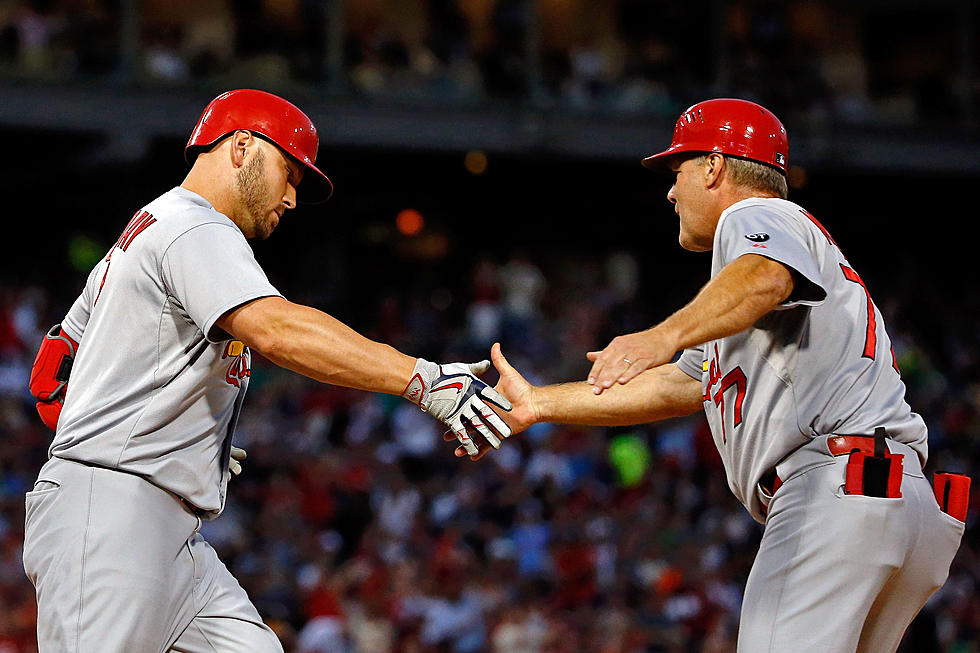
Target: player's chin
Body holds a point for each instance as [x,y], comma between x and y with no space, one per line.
[265,229]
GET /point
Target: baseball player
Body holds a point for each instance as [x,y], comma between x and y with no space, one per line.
[788,356]
[158,348]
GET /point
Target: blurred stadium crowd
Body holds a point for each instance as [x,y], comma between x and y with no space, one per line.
[353,527]
[812,62]
[356,531]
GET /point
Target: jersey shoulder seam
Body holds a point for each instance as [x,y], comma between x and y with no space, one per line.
[183,233]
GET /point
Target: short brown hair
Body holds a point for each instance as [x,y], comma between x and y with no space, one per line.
[754,175]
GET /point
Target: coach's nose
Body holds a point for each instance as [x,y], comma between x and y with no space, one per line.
[672,195]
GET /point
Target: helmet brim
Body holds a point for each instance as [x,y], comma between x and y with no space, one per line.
[661,161]
[658,162]
[315,188]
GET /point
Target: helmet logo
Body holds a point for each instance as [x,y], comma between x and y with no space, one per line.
[780,159]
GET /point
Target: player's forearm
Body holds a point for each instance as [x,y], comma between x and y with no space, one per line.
[325,349]
[657,394]
[312,343]
[744,291]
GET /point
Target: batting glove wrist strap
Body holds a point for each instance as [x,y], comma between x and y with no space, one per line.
[453,393]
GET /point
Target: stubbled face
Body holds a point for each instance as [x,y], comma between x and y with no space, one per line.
[692,203]
[266,188]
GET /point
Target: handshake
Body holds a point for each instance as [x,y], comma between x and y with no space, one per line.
[454,394]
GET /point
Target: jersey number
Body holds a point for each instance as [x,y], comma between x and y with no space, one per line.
[870,333]
[736,379]
[871,330]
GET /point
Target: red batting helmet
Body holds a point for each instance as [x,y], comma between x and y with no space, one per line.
[735,127]
[270,117]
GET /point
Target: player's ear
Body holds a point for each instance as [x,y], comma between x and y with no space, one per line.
[714,165]
[241,141]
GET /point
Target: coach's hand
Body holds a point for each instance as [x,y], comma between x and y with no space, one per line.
[513,387]
[453,393]
[628,356]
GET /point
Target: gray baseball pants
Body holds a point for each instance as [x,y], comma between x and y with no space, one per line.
[840,573]
[119,567]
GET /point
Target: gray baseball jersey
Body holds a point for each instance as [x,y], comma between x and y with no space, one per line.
[821,364]
[156,389]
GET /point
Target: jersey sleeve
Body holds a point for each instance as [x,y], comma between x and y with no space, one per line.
[754,230]
[77,317]
[691,362]
[210,269]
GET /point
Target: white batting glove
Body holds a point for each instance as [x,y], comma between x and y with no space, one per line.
[235,462]
[452,393]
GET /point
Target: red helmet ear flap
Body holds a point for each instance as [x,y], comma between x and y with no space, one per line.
[728,126]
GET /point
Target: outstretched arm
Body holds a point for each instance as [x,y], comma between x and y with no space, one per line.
[657,394]
[744,291]
[308,341]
